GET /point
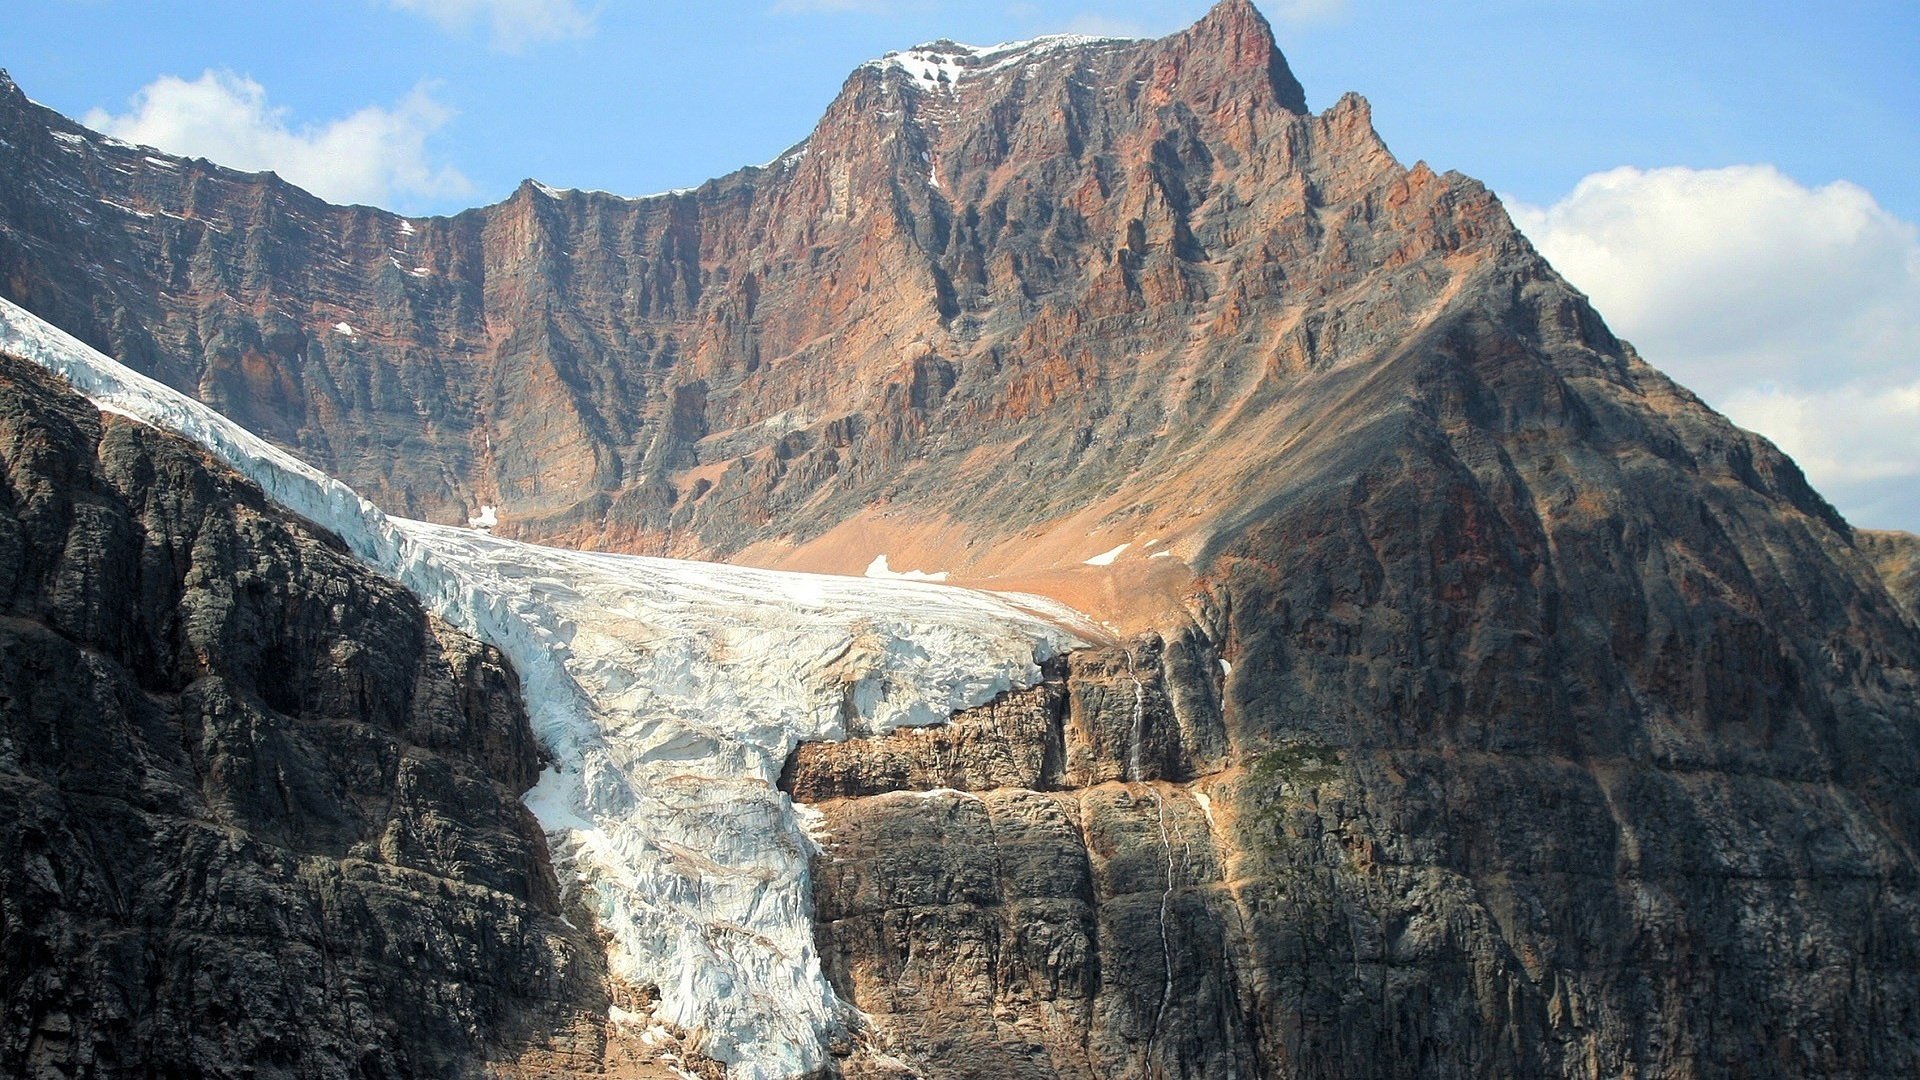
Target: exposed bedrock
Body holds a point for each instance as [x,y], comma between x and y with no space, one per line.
[1896,555]
[259,813]
[1274,890]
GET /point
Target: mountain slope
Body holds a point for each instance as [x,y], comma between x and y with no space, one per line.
[1496,707]
[1076,281]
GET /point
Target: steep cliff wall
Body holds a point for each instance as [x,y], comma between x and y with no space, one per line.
[259,814]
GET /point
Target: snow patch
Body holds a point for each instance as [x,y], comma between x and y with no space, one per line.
[1106,558]
[124,208]
[878,568]
[488,517]
[668,695]
[1206,808]
[343,328]
[943,65]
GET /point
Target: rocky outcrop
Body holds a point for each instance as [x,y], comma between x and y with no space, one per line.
[1358,886]
[259,813]
[1897,556]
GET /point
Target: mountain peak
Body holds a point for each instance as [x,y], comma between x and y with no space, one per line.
[1239,36]
[942,65]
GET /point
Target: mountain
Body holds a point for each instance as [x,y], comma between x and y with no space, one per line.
[1477,701]
[1074,277]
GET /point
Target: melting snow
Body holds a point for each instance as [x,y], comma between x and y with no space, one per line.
[669,695]
[878,568]
[1106,558]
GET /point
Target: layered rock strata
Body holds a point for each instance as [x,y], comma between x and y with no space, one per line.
[259,813]
[1086,880]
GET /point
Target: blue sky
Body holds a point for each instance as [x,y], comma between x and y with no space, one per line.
[1736,185]
[639,97]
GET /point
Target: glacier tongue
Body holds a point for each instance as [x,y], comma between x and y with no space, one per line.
[669,694]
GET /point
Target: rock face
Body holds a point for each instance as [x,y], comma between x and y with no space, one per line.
[1083,279]
[1341,899]
[1499,708]
[1897,556]
[259,813]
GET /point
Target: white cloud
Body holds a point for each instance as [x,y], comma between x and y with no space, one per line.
[1794,310]
[513,24]
[371,156]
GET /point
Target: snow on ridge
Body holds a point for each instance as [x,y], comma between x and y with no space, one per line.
[941,65]
[669,694]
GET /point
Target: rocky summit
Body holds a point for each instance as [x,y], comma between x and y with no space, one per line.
[1457,694]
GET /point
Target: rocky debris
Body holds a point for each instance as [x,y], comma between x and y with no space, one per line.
[259,813]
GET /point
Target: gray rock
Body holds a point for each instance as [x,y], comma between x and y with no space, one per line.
[259,813]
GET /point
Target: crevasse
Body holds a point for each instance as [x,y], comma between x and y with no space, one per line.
[668,694]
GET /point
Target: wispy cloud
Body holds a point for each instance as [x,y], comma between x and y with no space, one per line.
[1795,310]
[512,24]
[371,156]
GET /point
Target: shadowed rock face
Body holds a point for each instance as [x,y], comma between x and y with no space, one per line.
[1562,729]
[1351,892]
[259,813]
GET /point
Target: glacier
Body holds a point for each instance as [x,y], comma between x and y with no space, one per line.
[668,695]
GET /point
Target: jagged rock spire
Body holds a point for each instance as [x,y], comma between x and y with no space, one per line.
[1235,35]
